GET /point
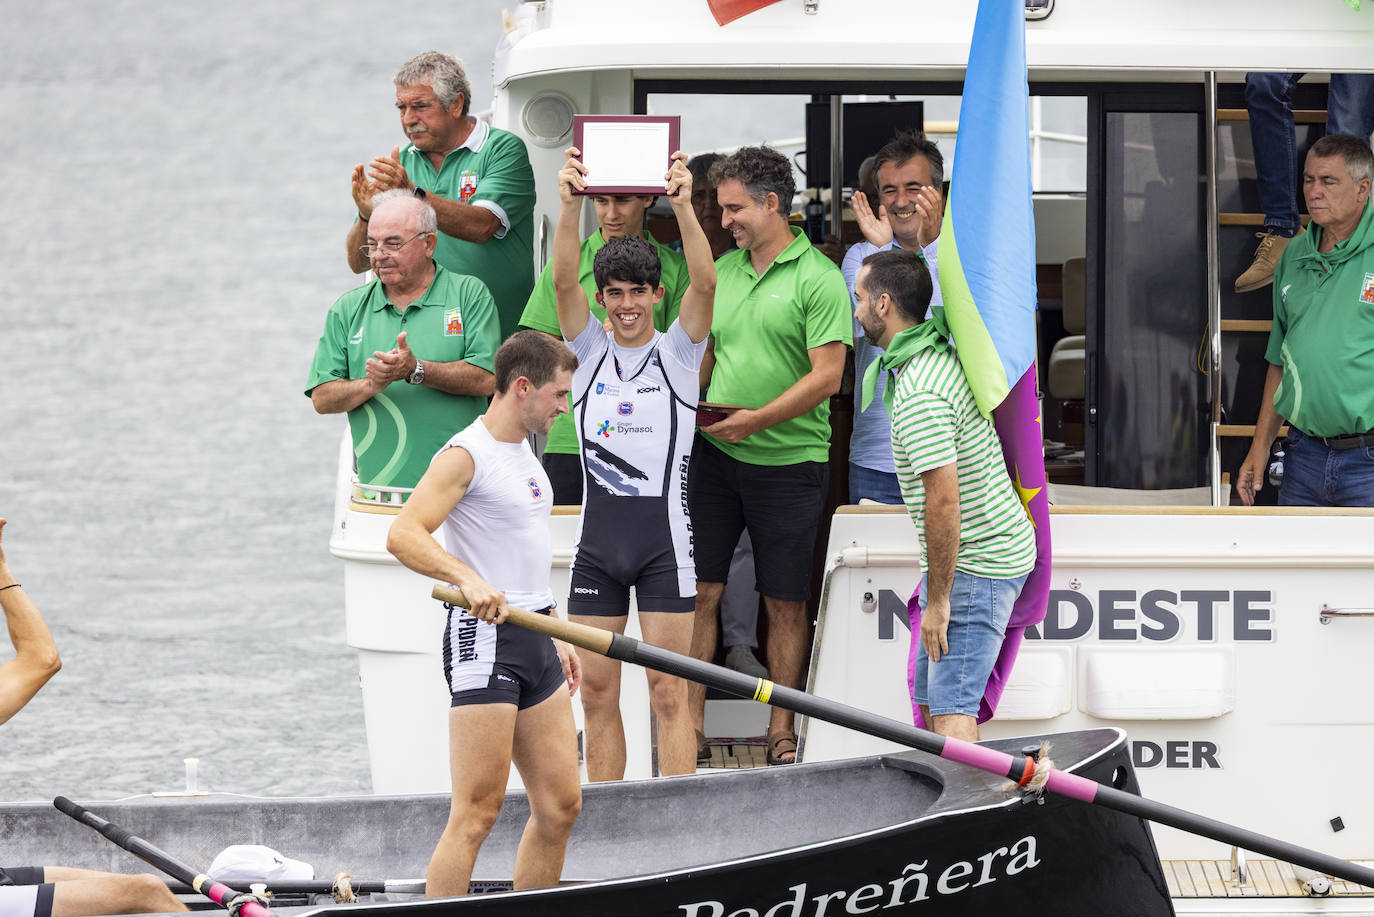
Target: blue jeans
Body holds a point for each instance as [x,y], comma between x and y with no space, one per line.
[1269,97]
[1314,474]
[979,609]
[871,484]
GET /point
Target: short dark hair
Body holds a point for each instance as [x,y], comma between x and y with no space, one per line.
[532,354]
[629,259]
[699,166]
[759,169]
[908,145]
[904,277]
[1359,159]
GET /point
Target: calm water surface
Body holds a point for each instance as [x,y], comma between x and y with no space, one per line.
[175,204]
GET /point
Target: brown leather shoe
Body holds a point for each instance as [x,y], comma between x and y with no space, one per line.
[1260,273]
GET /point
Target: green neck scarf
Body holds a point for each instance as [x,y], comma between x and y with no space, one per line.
[904,345]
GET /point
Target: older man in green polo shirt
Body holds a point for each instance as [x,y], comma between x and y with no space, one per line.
[410,355]
[778,340]
[619,215]
[477,178]
[1321,347]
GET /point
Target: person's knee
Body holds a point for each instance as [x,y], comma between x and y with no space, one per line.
[557,814]
[600,692]
[668,697]
[1265,87]
[143,892]
[474,819]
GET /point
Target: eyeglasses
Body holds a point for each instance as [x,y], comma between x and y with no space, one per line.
[387,247]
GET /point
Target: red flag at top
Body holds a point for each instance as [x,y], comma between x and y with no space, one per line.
[727,11]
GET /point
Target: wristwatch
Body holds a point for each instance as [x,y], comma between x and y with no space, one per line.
[418,376]
[419,192]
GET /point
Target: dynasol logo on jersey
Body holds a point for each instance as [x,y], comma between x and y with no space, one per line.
[535,492]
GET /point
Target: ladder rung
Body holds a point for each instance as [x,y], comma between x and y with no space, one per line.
[1246,324]
[1249,219]
[1239,429]
[1301,116]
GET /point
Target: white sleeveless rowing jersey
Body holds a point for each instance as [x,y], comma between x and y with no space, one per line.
[636,411]
[501,526]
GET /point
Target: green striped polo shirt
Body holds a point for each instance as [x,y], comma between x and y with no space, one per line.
[935,422]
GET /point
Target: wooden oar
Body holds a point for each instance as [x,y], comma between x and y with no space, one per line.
[628,649]
[217,892]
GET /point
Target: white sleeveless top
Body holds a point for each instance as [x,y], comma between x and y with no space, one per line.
[636,411]
[501,526]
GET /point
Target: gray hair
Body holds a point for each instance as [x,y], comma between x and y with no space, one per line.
[440,72]
[425,220]
[1359,159]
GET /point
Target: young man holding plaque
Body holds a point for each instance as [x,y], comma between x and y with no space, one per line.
[618,216]
[634,404]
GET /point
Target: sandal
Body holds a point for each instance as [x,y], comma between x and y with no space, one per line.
[780,744]
[703,748]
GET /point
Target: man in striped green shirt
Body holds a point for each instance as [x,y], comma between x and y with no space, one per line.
[977,542]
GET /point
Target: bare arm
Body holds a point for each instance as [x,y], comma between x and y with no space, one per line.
[1250,480]
[342,395]
[36,658]
[940,523]
[708,364]
[456,377]
[827,368]
[698,302]
[459,377]
[363,191]
[411,540]
[573,311]
[462,221]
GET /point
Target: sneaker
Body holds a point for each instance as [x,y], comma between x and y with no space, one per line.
[743,660]
[1260,273]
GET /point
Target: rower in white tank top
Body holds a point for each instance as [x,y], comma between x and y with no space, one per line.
[501,530]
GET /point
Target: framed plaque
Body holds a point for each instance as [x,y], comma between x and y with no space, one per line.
[626,154]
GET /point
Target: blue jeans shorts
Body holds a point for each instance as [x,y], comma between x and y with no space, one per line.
[979,608]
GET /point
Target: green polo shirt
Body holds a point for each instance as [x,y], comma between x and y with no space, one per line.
[490,169]
[398,430]
[1323,333]
[763,328]
[541,313]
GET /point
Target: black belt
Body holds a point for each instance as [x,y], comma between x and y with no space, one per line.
[1347,440]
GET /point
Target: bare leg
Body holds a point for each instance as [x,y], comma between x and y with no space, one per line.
[677,746]
[546,756]
[704,627]
[955,725]
[786,651]
[601,704]
[108,893]
[480,740]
